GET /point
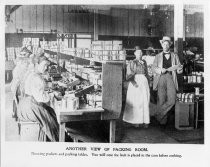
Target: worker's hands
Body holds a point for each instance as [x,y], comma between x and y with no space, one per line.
[136,85]
[180,69]
[51,94]
[163,71]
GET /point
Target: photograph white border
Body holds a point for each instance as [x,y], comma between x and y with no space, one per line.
[19,153]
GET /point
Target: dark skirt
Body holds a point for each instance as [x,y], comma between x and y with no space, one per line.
[30,110]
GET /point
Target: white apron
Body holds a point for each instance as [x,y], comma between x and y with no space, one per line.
[137,102]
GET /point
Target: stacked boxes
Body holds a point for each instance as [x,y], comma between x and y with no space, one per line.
[107,50]
[17,51]
[184,116]
[10,53]
[35,41]
[83,53]
[49,45]
[26,41]
[117,45]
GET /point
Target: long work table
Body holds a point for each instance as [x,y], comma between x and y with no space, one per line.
[82,114]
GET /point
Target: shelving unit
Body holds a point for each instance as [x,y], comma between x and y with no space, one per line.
[69,56]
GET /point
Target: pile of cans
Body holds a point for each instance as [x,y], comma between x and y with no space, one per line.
[195,77]
[186,97]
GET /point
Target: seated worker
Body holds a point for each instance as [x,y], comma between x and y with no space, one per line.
[21,68]
[33,107]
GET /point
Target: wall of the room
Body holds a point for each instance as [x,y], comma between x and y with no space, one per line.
[114,22]
[131,22]
[44,18]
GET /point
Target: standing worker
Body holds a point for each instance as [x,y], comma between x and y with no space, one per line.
[138,95]
[165,67]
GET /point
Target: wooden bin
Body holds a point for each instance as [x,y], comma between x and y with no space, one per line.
[28,131]
[184,116]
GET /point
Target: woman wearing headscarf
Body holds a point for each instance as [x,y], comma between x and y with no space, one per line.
[20,69]
[33,107]
[138,94]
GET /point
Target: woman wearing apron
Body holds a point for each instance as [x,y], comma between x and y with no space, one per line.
[33,106]
[138,94]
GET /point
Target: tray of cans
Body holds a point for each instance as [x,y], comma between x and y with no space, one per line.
[195,77]
[186,97]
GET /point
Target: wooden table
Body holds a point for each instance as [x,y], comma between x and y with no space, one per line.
[83,114]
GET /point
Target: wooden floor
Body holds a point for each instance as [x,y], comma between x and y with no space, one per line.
[125,133]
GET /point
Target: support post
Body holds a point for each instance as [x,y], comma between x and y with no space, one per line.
[112,129]
[62,132]
[95,25]
[179,35]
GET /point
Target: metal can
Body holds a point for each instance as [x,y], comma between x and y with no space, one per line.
[194,78]
[189,79]
[191,96]
[183,95]
[122,57]
[197,91]
[185,78]
[64,103]
[105,57]
[186,97]
[199,79]
[179,95]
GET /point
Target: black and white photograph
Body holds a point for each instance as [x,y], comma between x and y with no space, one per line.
[80,73]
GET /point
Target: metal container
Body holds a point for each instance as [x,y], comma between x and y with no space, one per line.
[189,79]
[72,103]
[115,57]
[191,97]
[64,104]
[114,52]
[106,57]
[194,79]
[186,98]
[199,79]
[122,57]
[179,96]
[185,78]
[86,53]
[183,96]
[106,52]
[197,91]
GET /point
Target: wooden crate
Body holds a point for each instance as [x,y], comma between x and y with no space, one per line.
[184,116]
[29,131]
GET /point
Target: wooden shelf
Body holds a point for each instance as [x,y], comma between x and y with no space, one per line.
[89,59]
[193,83]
